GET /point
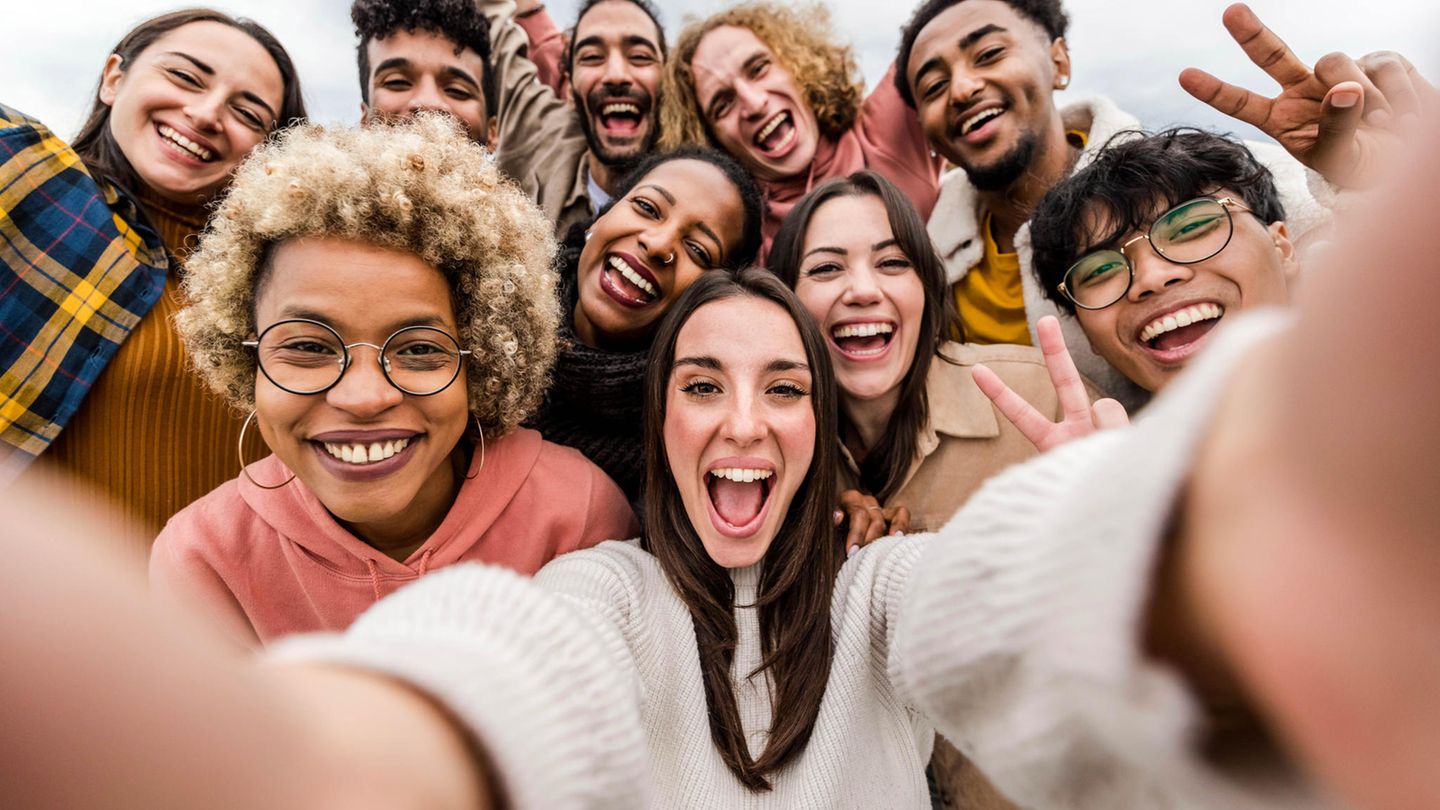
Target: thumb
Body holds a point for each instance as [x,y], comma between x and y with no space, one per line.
[1340,117]
[1109,414]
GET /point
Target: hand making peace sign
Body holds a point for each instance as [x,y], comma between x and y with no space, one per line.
[1340,118]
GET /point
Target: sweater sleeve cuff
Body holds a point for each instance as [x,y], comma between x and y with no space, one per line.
[526,671]
[1021,632]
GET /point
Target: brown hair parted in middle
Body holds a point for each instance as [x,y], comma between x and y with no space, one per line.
[802,40]
[882,470]
[798,571]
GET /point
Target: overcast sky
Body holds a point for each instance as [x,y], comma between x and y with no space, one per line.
[1131,50]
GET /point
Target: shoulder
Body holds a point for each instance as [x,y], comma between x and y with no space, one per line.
[614,570]
[1020,367]
[219,526]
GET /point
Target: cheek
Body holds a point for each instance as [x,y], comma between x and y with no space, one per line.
[278,413]
[816,300]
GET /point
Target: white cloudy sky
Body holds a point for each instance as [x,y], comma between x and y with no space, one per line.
[1129,49]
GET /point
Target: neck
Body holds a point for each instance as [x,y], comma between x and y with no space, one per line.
[398,536]
[605,176]
[866,420]
[1011,206]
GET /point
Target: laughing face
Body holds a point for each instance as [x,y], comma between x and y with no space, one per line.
[379,460]
[191,106]
[1169,312]
[739,428]
[614,72]
[682,218]
[982,76]
[864,294]
[752,105]
[414,71]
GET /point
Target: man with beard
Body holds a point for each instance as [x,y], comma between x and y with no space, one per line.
[426,55]
[982,75]
[575,116]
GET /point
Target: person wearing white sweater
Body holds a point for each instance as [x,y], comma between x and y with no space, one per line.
[1066,629]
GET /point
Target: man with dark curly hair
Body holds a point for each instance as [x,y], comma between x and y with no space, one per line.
[426,55]
[576,113]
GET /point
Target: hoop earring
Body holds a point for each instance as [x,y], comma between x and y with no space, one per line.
[481,431]
[240,451]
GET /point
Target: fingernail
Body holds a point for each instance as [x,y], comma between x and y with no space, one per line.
[899,534]
[838,515]
[851,552]
[1345,99]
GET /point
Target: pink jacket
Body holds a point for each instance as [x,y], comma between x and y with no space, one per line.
[886,139]
[269,563]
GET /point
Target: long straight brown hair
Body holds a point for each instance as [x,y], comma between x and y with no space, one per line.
[885,465]
[96,145]
[797,573]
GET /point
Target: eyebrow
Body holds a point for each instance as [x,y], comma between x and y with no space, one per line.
[703,362]
[209,71]
[715,365]
[966,42]
[630,40]
[705,229]
[881,245]
[293,312]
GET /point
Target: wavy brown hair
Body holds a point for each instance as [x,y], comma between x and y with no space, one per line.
[884,467]
[803,42]
[797,573]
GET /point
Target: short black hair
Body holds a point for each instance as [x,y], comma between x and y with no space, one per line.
[1048,14]
[1135,177]
[644,5]
[457,20]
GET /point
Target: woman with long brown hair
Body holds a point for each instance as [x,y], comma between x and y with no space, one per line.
[95,378]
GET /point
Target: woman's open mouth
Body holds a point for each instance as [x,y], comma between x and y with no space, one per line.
[628,281]
[1175,336]
[777,136]
[739,498]
[861,341]
[183,146]
[361,457]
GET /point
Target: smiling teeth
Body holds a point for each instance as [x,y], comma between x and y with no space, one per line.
[862,330]
[624,269]
[741,475]
[1179,318]
[970,124]
[361,453]
[770,127]
[185,143]
[620,107]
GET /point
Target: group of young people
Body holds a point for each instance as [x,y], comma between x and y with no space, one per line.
[670,336]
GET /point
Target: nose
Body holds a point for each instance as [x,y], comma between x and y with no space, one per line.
[749,99]
[861,287]
[426,96]
[204,111]
[363,390]
[1153,272]
[964,85]
[617,70]
[660,244]
[744,423]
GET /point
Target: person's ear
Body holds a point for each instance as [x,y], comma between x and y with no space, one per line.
[1060,62]
[492,135]
[364,113]
[1289,262]
[110,79]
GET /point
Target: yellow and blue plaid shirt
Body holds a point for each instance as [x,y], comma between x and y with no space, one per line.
[79,268]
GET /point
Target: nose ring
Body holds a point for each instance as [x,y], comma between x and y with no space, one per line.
[668,259]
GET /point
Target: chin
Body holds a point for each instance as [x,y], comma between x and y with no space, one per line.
[729,553]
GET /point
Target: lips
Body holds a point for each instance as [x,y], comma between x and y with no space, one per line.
[863,340]
[184,145]
[364,455]
[977,122]
[620,116]
[777,135]
[739,495]
[628,281]
[1173,336]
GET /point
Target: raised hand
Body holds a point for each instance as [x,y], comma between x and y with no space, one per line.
[1079,417]
[1340,118]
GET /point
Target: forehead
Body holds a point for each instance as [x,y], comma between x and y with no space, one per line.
[854,219]
[701,192]
[356,284]
[746,334]
[424,50]
[614,20]
[234,55]
[721,53]
[941,36]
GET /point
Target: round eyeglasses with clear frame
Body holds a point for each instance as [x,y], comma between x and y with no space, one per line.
[1189,233]
[305,357]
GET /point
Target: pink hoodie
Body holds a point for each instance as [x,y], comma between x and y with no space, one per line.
[274,562]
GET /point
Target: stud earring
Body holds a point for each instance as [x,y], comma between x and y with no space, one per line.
[588,235]
[1063,82]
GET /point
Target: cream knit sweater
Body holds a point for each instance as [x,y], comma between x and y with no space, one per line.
[1014,630]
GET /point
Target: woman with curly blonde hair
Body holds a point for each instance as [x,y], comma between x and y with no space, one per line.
[767,84]
[383,305]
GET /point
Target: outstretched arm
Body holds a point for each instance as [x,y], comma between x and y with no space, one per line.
[1339,118]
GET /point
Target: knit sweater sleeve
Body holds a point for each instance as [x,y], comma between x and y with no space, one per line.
[538,670]
[1019,631]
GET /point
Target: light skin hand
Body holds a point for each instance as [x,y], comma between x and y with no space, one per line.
[1340,118]
[868,521]
[1079,417]
[527,6]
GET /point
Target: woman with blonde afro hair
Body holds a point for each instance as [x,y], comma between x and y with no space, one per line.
[382,302]
[766,83]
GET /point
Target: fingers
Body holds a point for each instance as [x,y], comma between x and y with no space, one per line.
[1109,414]
[859,518]
[898,518]
[1069,387]
[1032,424]
[1397,81]
[1236,102]
[1335,69]
[1264,47]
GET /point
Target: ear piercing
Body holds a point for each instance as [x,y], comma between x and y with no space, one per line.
[1062,82]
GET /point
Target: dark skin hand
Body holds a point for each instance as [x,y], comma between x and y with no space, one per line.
[1340,117]
[867,521]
